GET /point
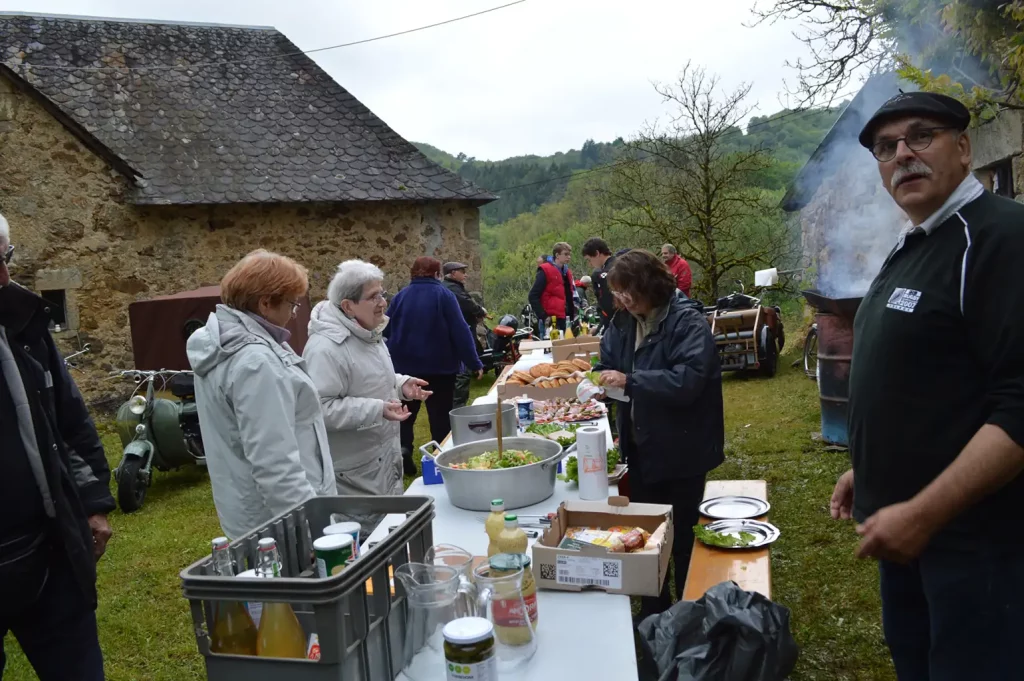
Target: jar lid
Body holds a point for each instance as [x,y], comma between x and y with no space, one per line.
[468,630]
[329,542]
[509,562]
[343,528]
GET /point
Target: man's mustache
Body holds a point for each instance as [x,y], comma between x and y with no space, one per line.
[915,167]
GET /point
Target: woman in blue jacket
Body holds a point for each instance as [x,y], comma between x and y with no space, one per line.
[429,338]
[658,348]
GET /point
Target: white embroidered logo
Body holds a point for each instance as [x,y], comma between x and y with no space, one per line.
[904,299]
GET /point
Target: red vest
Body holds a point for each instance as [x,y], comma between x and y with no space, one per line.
[553,297]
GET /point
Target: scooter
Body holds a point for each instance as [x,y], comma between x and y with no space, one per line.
[503,344]
[156,432]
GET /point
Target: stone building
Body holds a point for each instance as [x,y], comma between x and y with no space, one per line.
[142,158]
[847,221]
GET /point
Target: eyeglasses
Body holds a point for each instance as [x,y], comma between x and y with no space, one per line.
[9,254]
[376,297]
[295,305]
[917,140]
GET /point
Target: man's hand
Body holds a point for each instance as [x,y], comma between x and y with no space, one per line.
[612,379]
[413,389]
[396,411]
[100,534]
[842,497]
[898,533]
[479,374]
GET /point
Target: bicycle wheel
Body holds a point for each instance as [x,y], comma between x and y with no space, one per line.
[811,354]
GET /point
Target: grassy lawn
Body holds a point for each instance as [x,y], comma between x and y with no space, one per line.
[146,630]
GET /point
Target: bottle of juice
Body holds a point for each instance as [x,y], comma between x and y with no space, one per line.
[494,525]
[512,539]
[233,631]
[553,335]
[280,634]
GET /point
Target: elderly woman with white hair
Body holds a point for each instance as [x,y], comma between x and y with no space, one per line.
[360,393]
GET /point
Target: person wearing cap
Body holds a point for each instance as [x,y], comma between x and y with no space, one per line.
[55,483]
[473,313]
[936,410]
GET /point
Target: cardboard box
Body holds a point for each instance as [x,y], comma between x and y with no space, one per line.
[631,574]
[583,347]
[507,392]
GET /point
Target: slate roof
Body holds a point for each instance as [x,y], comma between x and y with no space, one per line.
[275,129]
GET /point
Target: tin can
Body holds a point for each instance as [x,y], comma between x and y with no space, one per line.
[349,528]
[524,405]
[333,551]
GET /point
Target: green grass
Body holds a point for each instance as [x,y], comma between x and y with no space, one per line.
[146,629]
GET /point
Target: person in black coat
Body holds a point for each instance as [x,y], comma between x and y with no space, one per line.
[659,349]
[54,481]
[473,312]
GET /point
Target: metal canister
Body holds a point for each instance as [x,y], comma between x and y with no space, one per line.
[524,405]
[333,551]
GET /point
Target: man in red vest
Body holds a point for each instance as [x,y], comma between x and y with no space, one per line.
[553,288]
[678,267]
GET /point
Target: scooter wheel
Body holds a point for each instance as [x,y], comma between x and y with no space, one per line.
[131,486]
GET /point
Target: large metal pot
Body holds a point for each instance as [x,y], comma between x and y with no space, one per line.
[479,422]
[522,486]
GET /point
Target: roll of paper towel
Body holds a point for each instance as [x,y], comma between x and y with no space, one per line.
[592,460]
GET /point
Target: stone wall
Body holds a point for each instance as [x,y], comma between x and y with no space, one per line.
[1000,142]
[75,232]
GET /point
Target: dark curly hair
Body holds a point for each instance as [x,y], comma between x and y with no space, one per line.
[425,266]
[644,277]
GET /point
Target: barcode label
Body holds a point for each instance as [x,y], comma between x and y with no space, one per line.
[586,571]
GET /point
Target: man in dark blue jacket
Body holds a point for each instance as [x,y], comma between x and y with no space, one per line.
[660,352]
[54,481]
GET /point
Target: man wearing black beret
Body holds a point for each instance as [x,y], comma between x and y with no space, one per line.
[936,414]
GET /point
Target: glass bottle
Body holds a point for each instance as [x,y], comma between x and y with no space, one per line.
[554,328]
[512,539]
[280,634]
[494,525]
[233,631]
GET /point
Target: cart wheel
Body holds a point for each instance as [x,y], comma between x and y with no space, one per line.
[811,354]
[770,361]
[131,486]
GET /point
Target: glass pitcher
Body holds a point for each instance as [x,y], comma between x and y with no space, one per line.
[452,556]
[500,599]
[433,594]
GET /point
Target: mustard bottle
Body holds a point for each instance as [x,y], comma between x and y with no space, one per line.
[512,539]
[494,525]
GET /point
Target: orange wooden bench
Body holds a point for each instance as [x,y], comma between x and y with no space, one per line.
[751,569]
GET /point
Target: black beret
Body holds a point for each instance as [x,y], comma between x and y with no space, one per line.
[930,104]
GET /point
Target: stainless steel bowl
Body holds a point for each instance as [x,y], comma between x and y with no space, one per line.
[522,486]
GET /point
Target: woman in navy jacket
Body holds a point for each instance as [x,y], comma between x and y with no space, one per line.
[429,338]
[660,351]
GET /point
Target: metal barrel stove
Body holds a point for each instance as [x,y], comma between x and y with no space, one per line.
[835,350]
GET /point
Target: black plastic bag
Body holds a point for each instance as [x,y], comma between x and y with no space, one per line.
[727,635]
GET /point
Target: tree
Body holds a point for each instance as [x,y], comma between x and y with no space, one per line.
[687,184]
[970,49]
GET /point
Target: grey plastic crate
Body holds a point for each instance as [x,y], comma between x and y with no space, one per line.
[361,634]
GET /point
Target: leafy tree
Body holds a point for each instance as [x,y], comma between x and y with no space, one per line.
[686,183]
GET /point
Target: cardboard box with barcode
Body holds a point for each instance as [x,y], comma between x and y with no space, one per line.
[583,347]
[633,574]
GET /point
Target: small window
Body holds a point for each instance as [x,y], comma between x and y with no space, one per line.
[57,301]
[1002,179]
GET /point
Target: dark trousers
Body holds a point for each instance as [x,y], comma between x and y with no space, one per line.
[953,615]
[438,407]
[461,394]
[42,605]
[685,496]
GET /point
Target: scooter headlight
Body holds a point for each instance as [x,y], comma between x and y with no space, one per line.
[140,430]
[137,405]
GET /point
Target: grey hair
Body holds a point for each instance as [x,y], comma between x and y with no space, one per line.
[351,278]
[5,231]
[671,249]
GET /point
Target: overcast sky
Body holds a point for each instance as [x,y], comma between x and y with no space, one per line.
[538,77]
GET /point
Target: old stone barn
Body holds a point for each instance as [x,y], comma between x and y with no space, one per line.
[140,159]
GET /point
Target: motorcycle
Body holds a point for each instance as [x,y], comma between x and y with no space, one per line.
[156,432]
[503,344]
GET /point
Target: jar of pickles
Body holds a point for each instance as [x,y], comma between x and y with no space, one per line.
[469,649]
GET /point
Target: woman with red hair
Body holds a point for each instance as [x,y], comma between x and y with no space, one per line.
[429,338]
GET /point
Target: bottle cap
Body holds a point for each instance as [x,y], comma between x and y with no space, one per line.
[468,630]
[267,543]
[220,542]
[498,502]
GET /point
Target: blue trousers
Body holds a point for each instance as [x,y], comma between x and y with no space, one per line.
[956,615]
[42,605]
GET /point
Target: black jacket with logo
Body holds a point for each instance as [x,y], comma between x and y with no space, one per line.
[75,466]
[674,426]
[472,312]
[939,352]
